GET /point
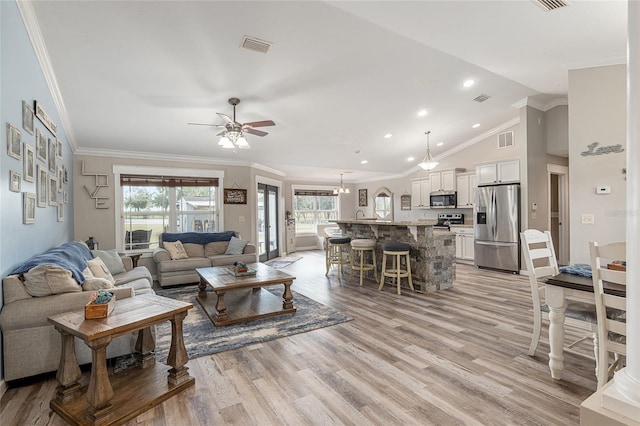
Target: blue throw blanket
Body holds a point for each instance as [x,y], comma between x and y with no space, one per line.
[582,269]
[198,237]
[72,256]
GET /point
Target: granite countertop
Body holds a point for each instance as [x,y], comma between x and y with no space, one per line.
[388,223]
[466,225]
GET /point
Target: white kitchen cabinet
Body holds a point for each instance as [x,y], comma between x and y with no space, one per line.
[444,180]
[464,243]
[466,185]
[499,172]
[420,190]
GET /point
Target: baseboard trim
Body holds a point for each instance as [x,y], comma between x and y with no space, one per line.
[3,388]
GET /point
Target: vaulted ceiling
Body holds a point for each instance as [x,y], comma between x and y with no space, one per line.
[336,79]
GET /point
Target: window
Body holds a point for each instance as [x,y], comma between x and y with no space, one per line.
[313,207]
[153,204]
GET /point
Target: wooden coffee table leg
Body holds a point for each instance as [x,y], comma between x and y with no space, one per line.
[68,373]
[144,348]
[202,288]
[99,392]
[287,296]
[177,353]
[221,308]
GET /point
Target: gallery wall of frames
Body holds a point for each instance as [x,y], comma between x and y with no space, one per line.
[39,159]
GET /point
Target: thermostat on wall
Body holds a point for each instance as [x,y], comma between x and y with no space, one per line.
[603,190]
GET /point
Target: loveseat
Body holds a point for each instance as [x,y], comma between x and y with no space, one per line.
[49,284]
[177,263]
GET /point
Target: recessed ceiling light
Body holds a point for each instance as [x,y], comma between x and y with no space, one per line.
[468,83]
[364,162]
[388,135]
[440,144]
[475,126]
[422,113]
[410,159]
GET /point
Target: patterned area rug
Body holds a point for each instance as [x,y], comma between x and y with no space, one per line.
[282,262]
[203,338]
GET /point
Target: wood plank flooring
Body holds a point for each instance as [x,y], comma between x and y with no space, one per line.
[457,357]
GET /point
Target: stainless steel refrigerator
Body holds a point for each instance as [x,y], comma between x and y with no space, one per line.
[497,227]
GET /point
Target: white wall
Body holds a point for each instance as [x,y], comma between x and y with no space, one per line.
[597,113]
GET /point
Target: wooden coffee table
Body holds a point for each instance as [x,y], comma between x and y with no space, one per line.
[246,300]
[120,397]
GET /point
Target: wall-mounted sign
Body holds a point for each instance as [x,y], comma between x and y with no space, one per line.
[235,196]
[592,150]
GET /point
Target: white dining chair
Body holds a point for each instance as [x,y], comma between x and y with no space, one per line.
[611,309]
[540,258]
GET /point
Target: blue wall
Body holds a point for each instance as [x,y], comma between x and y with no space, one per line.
[21,78]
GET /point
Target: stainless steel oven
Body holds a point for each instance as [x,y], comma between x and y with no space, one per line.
[442,200]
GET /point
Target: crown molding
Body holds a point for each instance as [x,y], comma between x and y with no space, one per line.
[25,7]
[594,63]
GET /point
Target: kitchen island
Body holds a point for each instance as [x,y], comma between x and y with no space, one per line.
[433,252]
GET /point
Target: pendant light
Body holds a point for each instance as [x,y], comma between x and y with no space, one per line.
[341,189]
[428,163]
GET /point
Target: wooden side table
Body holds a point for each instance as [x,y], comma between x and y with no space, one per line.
[123,396]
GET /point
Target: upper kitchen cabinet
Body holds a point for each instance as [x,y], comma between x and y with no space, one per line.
[420,190]
[444,181]
[466,184]
[498,172]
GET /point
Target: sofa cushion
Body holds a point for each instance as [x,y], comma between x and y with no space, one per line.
[236,246]
[112,259]
[95,283]
[193,250]
[45,280]
[216,248]
[184,264]
[176,250]
[139,272]
[100,270]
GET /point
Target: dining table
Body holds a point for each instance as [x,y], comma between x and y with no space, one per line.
[559,290]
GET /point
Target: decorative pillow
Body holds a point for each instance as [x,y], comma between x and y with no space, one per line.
[112,259]
[45,280]
[176,250]
[236,246]
[87,273]
[100,270]
[93,284]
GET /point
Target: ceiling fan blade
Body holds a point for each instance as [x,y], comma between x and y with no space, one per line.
[222,133]
[260,123]
[225,117]
[255,132]
[204,124]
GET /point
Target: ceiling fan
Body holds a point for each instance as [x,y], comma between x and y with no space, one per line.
[233,133]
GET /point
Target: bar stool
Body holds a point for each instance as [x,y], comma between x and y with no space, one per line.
[359,248]
[396,250]
[338,252]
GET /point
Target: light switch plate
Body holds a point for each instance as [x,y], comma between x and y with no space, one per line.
[603,190]
[587,219]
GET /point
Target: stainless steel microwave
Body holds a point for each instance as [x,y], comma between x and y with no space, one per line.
[442,200]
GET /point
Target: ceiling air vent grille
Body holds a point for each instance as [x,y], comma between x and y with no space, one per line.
[482,98]
[255,44]
[549,5]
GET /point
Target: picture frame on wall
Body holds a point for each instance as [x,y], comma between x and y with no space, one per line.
[41,146]
[53,191]
[53,147]
[60,177]
[362,198]
[28,207]
[14,142]
[15,181]
[27,118]
[44,118]
[29,163]
[60,212]
[405,202]
[59,148]
[42,188]
[235,196]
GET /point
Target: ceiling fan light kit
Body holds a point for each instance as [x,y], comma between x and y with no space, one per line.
[428,163]
[233,135]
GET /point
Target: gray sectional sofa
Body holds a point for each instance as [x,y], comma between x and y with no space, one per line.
[203,249]
[31,345]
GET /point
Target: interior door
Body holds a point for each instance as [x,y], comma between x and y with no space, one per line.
[268,245]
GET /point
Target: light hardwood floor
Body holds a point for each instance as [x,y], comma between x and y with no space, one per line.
[457,357]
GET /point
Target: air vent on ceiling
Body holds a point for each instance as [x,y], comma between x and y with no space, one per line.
[481,98]
[505,140]
[255,44]
[549,5]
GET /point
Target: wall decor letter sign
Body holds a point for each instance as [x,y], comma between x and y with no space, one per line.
[602,150]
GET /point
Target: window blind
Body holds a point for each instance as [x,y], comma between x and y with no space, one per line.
[315,192]
[166,181]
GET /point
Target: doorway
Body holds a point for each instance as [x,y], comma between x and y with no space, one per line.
[268,246]
[558,179]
